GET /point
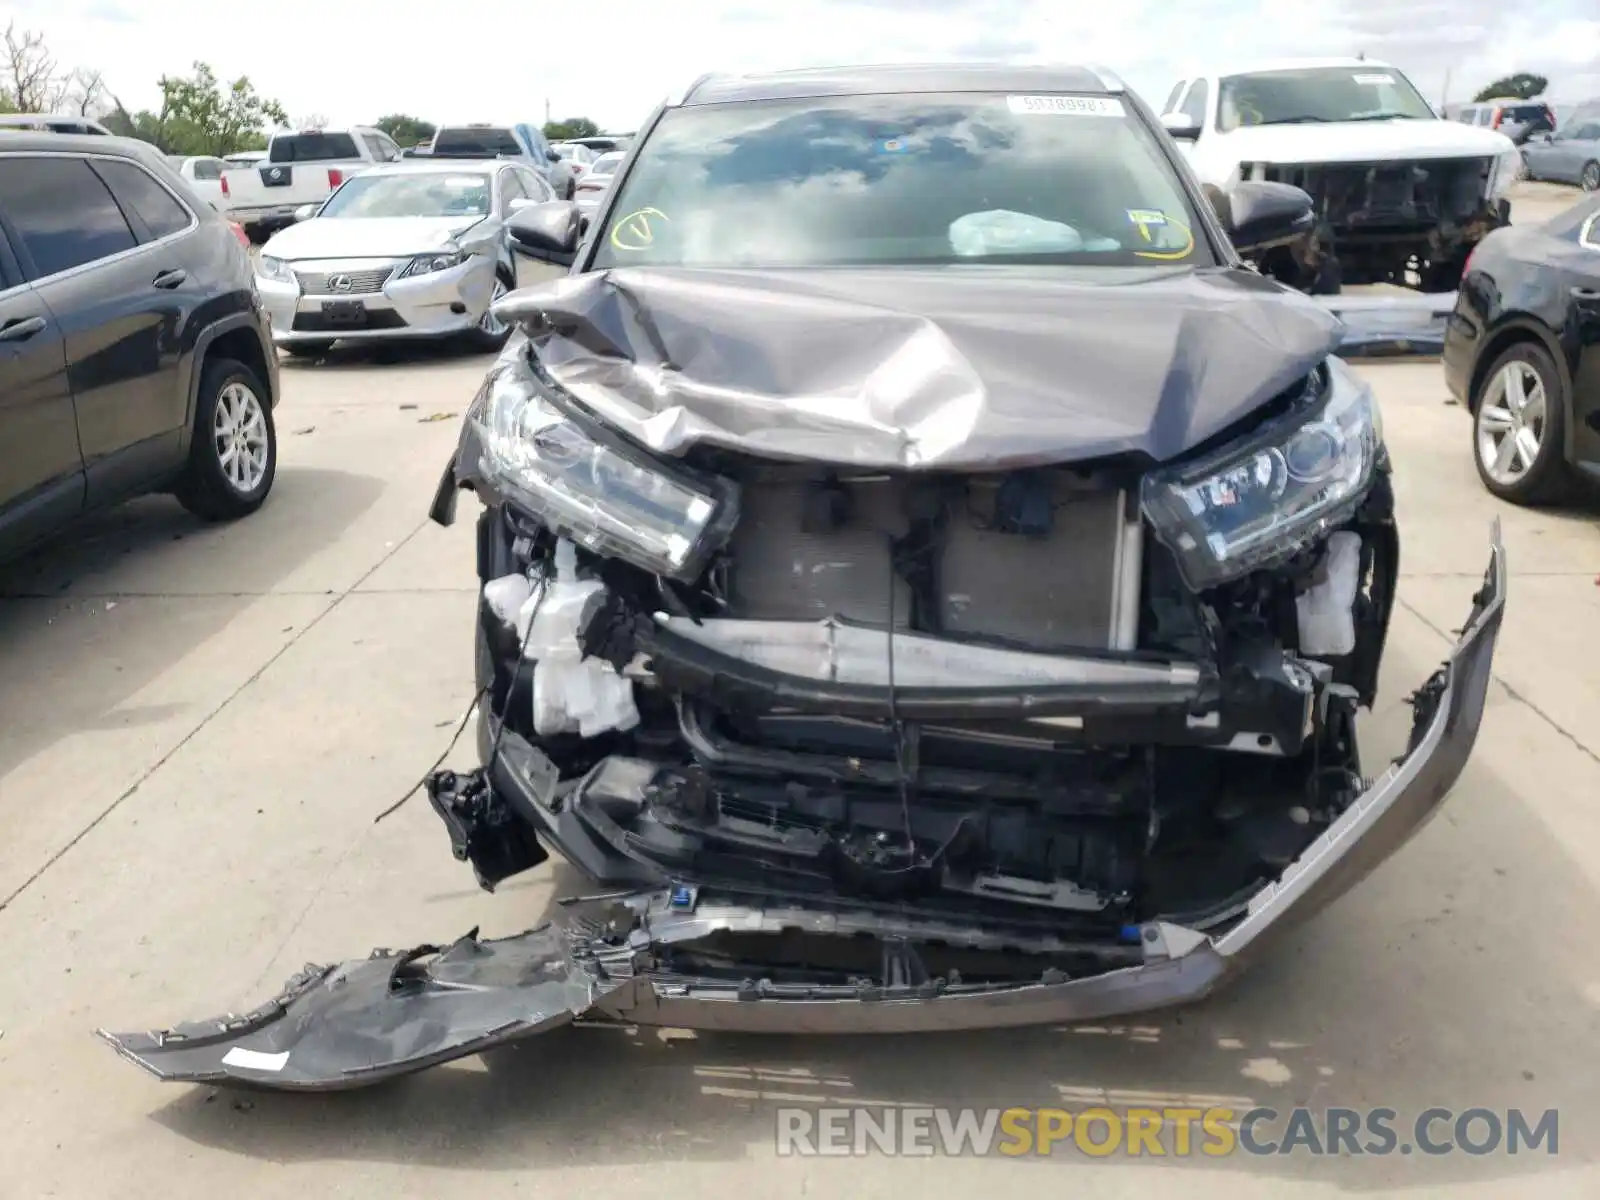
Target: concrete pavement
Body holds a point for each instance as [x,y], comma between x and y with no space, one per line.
[197,726]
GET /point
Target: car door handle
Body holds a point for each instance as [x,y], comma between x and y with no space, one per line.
[21,330]
[170,279]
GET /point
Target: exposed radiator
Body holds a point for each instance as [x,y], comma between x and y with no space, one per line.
[1065,588]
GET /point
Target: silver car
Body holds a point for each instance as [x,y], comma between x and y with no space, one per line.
[596,181]
[1570,155]
[407,250]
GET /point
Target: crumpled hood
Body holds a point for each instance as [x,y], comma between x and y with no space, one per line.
[911,368]
[365,237]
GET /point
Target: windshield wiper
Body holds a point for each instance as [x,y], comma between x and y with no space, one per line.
[1383,116]
[1302,120]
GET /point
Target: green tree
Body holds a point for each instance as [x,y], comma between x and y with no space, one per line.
[406,130]
[1523,86]
[572,127]
[201,115]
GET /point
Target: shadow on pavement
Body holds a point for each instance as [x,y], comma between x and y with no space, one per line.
[181,579]
[1362,1007]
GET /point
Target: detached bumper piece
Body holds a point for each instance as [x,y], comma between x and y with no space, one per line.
[668,951]
[1398,326]
[333,1028]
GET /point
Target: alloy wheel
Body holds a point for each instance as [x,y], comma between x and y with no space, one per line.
[489,323]
[1511,423]
[239,433]
[1591,177]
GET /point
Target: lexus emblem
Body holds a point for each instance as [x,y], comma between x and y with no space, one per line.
[340,283]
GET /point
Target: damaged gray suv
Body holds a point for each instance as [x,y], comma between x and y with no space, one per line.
[927,583]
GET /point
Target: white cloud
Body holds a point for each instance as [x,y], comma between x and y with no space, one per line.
[354,60]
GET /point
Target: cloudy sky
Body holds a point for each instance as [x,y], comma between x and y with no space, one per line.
[502,60]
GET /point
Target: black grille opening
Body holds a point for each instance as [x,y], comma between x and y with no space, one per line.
[372,318]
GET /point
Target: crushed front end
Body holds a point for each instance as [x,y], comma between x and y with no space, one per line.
[1410,223]
[852,747]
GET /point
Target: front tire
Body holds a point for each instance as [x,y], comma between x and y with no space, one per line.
[491,333]
[1589,179]
[1519,420]
[233,455]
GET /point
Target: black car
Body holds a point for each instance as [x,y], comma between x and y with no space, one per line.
[1522,354]
[134,354]
[927,582]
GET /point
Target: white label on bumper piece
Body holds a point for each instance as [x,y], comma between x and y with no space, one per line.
[256,1060]
[1066,106]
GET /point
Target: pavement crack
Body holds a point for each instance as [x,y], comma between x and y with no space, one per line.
[1510,691]
[149,772]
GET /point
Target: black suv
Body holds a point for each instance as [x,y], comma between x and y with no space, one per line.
[134,354]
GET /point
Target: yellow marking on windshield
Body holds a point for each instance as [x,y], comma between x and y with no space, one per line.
[634,232]
[1172,255]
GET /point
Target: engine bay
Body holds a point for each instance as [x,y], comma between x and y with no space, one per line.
[1075,740]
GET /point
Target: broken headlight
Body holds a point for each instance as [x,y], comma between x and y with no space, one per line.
[594,490]
[1257,500]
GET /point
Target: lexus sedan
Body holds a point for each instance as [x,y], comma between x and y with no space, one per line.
[926,583]
[408,250]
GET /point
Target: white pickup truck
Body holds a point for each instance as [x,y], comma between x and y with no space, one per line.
[1401,195]
[300,168]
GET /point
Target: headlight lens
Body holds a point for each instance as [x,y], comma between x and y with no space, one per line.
[1256,501]
[614,501]
[427,264]
[276,269]
[1507,169]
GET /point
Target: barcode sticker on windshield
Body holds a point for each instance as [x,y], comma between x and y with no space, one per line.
[1067,106]
[1373,79]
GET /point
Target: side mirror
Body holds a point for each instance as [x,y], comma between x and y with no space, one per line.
[1181,126]
[1259,216]
[547,230]
[518,203]
[552,156]
[306,211]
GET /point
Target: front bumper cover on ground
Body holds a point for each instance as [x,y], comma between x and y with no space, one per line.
[1391,325]
[347,1026]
